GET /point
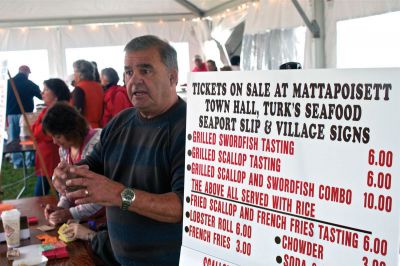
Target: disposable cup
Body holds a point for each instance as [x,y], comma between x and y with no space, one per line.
[11,224]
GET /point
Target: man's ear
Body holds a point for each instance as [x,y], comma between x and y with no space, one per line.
[173,77]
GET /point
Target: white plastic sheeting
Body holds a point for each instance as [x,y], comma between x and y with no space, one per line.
[268,50]
[222,28]
[273,36]
[337,10]
[57,39]
[273,15]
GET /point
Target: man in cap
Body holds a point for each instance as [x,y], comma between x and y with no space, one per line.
[200,66]
[26,90]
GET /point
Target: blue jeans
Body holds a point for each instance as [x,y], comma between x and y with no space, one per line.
[38,186]
[13,133]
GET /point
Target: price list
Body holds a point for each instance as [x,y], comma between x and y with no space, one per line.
[292,168]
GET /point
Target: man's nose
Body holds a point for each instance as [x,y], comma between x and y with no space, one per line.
[137,78]
[134,80]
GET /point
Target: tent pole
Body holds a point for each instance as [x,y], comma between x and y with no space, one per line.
[311,25]
[316,27]
[319,43]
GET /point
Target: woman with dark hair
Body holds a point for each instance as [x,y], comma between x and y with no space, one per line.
[87,96]
[54,90]
[211,66]
[72,133]
[115,97]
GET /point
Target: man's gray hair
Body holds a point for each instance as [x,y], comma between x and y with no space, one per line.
[167,52]
[85,69]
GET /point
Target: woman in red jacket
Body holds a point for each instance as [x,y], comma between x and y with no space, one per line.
[88,95]
[54,90]
[115,96]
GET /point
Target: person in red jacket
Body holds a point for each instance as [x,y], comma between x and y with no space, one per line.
[199,65]
[54,90]
[87,96]
[115,96]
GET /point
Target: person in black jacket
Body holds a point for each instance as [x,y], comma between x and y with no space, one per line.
[27,90]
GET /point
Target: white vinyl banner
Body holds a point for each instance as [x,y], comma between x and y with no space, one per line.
[292,167]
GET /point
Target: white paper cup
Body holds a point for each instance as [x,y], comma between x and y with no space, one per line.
[11,224]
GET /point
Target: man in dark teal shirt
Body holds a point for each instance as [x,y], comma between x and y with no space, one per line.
[137,168]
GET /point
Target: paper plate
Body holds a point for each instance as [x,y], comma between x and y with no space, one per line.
[30,255]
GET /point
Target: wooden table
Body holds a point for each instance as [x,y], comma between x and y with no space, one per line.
[80,253]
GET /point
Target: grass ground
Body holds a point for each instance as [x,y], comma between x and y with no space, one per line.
[12,181]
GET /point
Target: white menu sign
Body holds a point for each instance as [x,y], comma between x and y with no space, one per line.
[292,167]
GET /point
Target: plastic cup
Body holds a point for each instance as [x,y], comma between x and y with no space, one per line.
[11,224]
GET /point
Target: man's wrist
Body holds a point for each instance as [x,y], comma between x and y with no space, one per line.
[128,196]
[118,199]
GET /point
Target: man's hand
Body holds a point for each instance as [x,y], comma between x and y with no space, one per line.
[166,207]
[62,174]
[98,188]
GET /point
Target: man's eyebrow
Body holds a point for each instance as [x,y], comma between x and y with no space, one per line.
[147,66]
[144,66]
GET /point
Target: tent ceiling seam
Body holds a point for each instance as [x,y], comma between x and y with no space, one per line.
[191,7]
[94,20]
[224,6]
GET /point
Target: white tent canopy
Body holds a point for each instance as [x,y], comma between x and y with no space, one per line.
[56,25]
[22,13]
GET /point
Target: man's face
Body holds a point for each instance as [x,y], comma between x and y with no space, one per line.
[150,85]
[198,62]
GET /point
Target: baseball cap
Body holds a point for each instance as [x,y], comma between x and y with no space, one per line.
[290,65]
[24,69]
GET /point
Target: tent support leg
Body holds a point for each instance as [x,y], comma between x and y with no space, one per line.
[311,25]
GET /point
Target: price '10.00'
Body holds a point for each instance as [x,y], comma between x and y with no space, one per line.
[380,203]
